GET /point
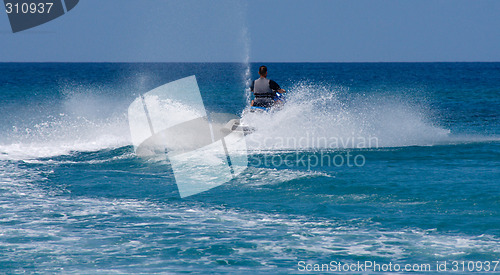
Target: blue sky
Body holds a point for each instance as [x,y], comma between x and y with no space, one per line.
[278,30]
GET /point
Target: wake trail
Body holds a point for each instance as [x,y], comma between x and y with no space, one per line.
[321,117]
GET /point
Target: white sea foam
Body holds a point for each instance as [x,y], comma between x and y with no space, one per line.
[317,117]
[88,121]
[63,136]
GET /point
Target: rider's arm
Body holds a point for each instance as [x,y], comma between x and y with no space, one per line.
[275,87]
[251,86]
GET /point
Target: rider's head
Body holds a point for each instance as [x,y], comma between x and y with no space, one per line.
[263,71]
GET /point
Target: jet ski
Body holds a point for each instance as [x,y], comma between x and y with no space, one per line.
[279,100]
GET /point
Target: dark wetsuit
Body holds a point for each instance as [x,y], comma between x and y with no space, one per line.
[264,90]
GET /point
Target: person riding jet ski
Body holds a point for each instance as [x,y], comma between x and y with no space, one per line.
[267,92]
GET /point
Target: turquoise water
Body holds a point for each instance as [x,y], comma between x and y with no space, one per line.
[422,187]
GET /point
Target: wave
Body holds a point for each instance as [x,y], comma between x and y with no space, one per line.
[84,121]
[62,137]
[318,117]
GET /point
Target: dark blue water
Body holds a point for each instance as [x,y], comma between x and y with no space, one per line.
[418,182]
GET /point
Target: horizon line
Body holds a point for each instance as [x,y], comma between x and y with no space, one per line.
[242,62]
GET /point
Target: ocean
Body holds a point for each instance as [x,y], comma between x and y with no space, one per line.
[388,164]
